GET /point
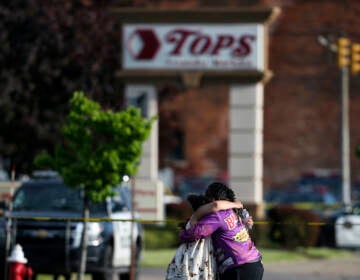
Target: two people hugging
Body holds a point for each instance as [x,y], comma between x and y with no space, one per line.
[216,243]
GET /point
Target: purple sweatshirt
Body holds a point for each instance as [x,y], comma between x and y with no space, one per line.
[232,243]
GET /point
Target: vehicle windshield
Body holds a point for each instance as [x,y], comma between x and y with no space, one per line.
[51,198]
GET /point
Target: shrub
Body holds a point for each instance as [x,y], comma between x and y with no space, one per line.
[179,211]
[260,235]
[167,235]
[292,228]
[161,236]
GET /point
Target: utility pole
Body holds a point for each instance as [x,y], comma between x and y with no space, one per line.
[345,137]
[348,55]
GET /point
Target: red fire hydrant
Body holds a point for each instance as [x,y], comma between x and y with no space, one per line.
[17,268]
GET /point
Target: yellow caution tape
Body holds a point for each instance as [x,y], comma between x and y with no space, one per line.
[145,221]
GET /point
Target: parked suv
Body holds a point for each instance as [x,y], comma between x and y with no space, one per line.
[52,246]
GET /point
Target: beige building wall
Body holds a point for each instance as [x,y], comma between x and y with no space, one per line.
[246,142]
[148,189]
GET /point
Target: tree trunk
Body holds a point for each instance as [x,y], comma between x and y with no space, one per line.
[83,245]
[133,247]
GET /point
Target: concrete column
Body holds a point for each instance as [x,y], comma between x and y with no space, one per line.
[148,188]
[246,142]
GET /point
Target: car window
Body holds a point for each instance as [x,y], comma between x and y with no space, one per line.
[47,198]
[126,196]
[356,209]
[52,198]
[3,175]
[122,199]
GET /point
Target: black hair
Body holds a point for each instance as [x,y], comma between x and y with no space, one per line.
[219,191]
[196,200]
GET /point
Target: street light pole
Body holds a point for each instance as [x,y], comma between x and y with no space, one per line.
[348,54]
[345,137]
[344,63]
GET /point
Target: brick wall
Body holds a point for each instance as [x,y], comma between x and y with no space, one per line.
[301,113]
[302,125]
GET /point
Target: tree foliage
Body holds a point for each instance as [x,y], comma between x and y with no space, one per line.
[99,147]
[49,49]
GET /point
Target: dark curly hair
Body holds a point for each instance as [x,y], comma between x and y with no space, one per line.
[219,191]
[196,200]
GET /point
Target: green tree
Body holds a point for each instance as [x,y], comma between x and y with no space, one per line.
[357,151]
[49,49]
[99,147]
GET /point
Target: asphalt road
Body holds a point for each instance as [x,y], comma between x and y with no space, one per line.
[334,269]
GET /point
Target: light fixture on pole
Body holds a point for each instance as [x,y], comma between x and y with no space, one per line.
[344,61]
[345,57]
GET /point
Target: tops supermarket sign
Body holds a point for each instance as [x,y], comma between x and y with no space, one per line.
[193,47]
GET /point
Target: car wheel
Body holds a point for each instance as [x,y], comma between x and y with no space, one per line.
[107,273]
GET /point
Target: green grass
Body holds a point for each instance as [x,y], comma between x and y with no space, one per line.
[161,257]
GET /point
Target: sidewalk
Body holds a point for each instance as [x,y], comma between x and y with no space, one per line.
[333,269]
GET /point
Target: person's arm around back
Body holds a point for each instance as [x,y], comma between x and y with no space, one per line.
[212,207]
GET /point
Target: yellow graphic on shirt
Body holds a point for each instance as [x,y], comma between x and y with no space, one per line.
[241,236]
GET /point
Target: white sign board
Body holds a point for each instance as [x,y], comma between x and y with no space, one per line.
[193,47]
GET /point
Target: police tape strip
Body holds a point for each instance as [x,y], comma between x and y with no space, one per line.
[167,221]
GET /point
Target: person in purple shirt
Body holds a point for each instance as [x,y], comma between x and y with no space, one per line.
[236,255]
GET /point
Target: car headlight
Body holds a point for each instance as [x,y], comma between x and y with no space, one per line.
[93,232]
